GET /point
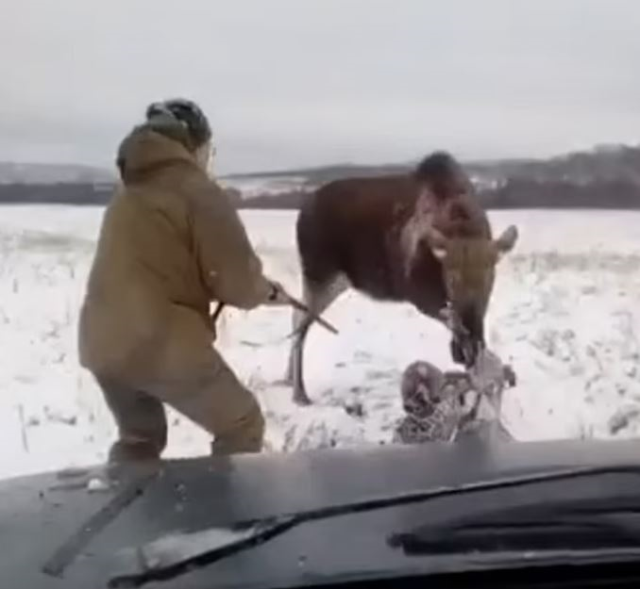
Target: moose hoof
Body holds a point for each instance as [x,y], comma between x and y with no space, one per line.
[287,377]
[284,382]
[510,376]
[302,400]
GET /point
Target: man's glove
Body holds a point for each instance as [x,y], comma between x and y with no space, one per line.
[279,297]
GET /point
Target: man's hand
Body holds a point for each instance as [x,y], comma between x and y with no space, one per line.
[278,297]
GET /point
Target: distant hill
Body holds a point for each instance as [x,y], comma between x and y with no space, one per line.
[606,162]
[322,174]
[606,176]
[603,177]
[28,173]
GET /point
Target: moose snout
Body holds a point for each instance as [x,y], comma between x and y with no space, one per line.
[465,350]
[468,339]
[467,331]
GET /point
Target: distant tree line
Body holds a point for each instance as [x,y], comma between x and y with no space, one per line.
[531,193]
[512,193]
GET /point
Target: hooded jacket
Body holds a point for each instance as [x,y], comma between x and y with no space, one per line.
[170,243]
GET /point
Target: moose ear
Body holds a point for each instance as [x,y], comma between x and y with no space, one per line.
[437,243]
[506,242]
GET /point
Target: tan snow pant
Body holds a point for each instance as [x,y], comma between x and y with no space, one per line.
[211,397]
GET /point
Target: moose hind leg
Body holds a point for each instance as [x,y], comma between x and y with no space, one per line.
[297,317]
[312,295]
[318,297]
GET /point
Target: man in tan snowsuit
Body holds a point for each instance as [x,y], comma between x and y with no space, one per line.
[170,244]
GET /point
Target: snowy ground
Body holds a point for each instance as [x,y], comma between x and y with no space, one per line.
[565,312]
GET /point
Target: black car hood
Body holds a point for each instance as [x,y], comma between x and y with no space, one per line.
[42,515]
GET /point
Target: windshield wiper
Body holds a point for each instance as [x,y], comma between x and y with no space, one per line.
[581,524]
[177,554]
[67,552]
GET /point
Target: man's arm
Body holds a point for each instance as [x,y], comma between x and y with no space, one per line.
[229,264]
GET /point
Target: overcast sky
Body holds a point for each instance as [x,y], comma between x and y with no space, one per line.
[307,82]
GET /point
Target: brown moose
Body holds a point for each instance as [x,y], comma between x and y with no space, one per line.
[421,238]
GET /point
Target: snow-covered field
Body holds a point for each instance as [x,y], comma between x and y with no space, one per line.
[565,312]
